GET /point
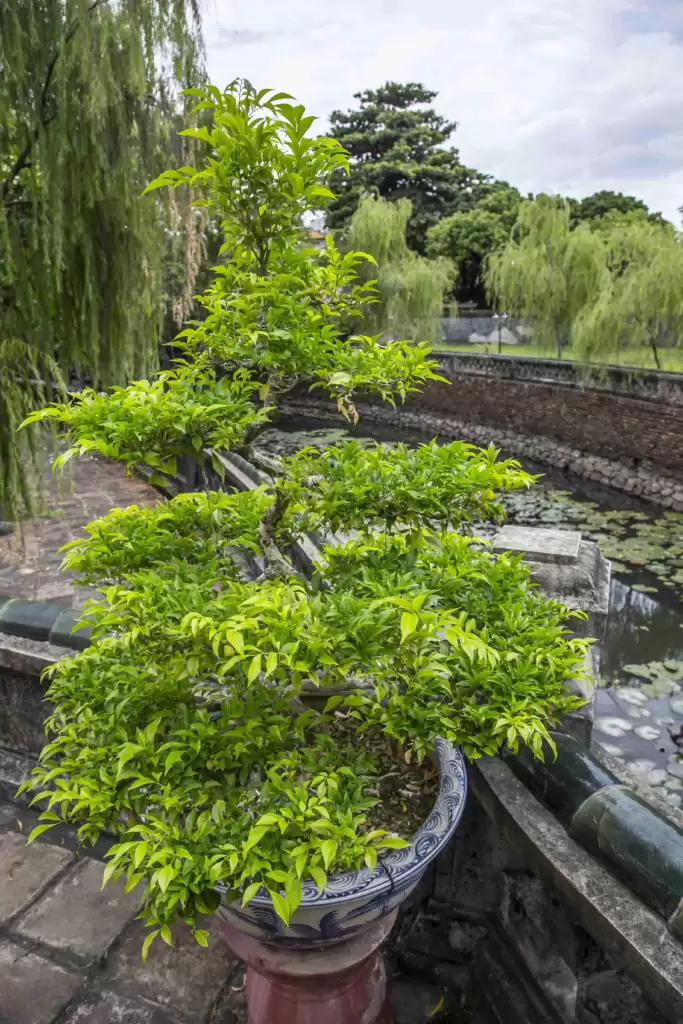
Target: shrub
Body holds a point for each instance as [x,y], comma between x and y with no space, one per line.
[184,728]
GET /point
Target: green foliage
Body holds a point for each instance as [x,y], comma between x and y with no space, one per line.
[468,237]
[548,273]
[643,301]
[395,147]
[203,528]
[605,204]
[85,109]
[355,487]
[182,412]
[410,288]
[185,729]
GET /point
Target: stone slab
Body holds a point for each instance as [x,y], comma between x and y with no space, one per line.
[78,916]
[538,544]
[186,979]
[25,871]
[32,990]
[111,1008]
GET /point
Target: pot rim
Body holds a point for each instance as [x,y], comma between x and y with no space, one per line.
[397,868]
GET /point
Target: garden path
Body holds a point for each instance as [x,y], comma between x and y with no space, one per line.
[29,557]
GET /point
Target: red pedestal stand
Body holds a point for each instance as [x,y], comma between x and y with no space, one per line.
[344,983]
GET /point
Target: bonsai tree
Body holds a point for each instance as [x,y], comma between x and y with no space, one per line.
[186,728]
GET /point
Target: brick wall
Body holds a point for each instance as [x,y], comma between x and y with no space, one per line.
[590,417]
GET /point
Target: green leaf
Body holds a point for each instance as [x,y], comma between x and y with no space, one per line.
[319,877]
[250,892]
[393,843]
[165,876]
[281,906]
[147,943]
[329,851]
[409,621]
[254,668]
[371,858]
[201,936]
[38,831]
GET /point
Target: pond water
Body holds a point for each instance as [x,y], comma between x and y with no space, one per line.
[639,712]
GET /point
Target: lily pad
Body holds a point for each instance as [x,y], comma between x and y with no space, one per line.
[641,671]
[647,732]
[636,712]
[631,695]
[612,726]
[641,767]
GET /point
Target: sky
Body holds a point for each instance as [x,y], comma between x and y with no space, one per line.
[560,96]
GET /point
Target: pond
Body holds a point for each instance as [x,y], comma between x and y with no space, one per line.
[639,712]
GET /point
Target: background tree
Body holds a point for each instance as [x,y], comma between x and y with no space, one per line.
[467,239]
[548,273]
[88,96]
[396,147]
[411,288]
[641,305]
[604,203]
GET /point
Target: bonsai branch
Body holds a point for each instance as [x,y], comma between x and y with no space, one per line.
[268,463]
[276,563]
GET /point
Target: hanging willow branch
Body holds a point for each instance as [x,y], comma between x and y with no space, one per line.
[89,110]
[411,288]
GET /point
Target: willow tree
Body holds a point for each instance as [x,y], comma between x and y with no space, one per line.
[88,92]
[548,273]
[411,288]
[642,306]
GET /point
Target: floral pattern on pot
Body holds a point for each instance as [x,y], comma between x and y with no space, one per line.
[353,900]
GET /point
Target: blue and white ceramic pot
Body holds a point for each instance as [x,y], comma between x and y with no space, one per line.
[354,900]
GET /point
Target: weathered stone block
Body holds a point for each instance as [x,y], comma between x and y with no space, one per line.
[78,916]
[25,871]
[32,990]
[611,998]
[186,979]
[538,544]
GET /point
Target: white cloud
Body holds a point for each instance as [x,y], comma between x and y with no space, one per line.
[567,96]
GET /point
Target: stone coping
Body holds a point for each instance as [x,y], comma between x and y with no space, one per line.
[647,385]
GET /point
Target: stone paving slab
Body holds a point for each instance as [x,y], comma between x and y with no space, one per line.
[25,871]
[32,990]
[77,916]
[110,1008]
[187,979]
[88,489]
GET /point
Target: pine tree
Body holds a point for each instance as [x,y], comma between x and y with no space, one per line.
[396,149]
[88,97]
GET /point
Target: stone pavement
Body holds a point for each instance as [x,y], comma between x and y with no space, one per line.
[88,489]
[70,951]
